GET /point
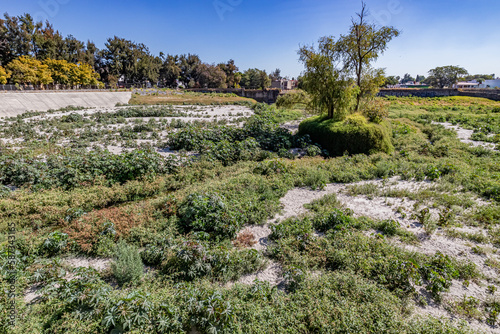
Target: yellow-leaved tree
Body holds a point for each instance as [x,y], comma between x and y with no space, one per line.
[3,76]
[60,70]
[84,75]
[27,70]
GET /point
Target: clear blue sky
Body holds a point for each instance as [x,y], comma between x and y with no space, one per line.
[267,33]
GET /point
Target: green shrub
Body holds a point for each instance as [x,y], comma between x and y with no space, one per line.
[189,259]
[4,191]
[127,266]
[208,213]
[352,136]
[376,111]
[272,167]
[293,227]
[336,219]
[55,243]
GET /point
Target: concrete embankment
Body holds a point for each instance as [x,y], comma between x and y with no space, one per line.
[13,104]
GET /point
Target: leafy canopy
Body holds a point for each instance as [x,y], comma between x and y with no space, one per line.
[363,45]
[338,74]
[446,76]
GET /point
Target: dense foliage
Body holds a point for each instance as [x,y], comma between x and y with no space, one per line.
[354,135]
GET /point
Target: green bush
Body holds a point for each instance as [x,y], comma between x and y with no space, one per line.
[127,266]
[208,213]
[292,227]
[335,219]
[354,136]
[55,243]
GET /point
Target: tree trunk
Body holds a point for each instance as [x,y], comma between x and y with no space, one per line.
[358,96]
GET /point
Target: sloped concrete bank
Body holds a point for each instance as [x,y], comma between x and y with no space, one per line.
[13,104]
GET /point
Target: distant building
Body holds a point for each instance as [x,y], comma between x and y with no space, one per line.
[284,84]
[413,84]
[468,84]
[490,84]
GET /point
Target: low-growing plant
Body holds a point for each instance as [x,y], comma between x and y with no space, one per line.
[127,266]
[208,213]
[55,244]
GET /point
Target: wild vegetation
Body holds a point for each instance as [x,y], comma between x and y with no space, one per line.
[171,231]
[220,218]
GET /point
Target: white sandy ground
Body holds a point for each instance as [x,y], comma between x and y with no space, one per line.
[212,111]
[464,136]
[229,113]
[381,208]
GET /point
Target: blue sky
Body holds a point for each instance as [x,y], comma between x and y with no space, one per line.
[267,33]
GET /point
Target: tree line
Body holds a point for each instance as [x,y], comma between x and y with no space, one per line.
[35,53]
[440,77]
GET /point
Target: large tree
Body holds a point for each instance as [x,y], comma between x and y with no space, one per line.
[17,36]
[231,70]
[170,71]
[27,70]
[211,76]
[275,75]
[407,78]
[188,64]
[255,79]
[445,76]
[326,79]
[391,80]
[363,45]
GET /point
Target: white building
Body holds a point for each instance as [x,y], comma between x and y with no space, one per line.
[469,84]
[490,84]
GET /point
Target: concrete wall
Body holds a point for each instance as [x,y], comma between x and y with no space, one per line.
[259,95]
[491,94]
[13,104]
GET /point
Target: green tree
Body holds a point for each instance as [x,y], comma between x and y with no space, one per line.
[445,76]
[170,71]
[211,76]
[391,80]
[276,75]
[133,61]
[17,36]
[363,45]
[255,79]
[407,78]
[327,80]
[231,70]
[420,78]
[188,64]
[48,43]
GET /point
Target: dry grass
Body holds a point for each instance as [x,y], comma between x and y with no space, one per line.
[245,239]
[86,230]
[186,98]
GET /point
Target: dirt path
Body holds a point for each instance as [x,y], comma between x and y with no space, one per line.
[464,136]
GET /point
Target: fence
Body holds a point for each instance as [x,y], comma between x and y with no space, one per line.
[21,88]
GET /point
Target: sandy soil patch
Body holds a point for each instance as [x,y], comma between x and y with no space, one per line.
[464,136]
